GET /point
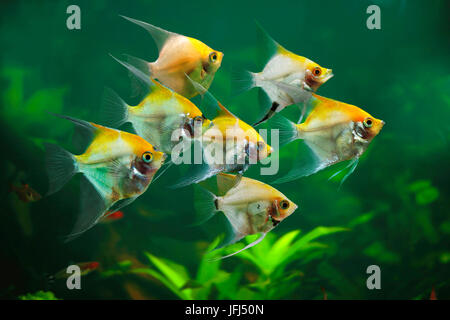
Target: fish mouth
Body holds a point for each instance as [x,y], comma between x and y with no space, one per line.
[328,76]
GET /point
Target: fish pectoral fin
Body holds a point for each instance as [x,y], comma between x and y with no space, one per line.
[158,34]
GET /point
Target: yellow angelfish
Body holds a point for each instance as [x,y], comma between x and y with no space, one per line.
[286,78]
[228,144]
[250,206]
[180,55]
[118,167]
[157,116]
[334,131]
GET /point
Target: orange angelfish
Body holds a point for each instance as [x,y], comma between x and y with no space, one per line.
[334,131]
[117,166]
[180,55]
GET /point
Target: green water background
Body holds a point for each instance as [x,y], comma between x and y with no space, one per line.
[396,203]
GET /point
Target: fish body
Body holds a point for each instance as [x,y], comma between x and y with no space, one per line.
[117,165]
[180,55]
[250,206]
[157,116]
[286,78]
[25,193]
[241,143]
[334,131]
[228,144]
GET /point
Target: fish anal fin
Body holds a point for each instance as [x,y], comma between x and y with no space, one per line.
[92,207]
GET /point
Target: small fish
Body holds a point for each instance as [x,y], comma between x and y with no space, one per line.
[180,55]
[111,217]
[85,268]
[117,167]
[286,78]
[334,131]
[250,206]
[157,116]
[25,192]
[228,143]
[433,295]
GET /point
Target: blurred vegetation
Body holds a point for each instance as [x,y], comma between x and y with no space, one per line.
[392,212]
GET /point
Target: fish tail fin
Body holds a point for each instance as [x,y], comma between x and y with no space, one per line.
[158,34]
[242,81]
[205,204]
[288,130]
[61,166]
[114,110]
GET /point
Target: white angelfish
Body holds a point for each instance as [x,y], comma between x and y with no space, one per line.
[250,206]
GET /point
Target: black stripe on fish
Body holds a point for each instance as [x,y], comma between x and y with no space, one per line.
[269,114]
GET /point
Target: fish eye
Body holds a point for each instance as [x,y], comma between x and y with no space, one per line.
[147,157]
[284,204]
[368,122]
[213,56]
[317,71]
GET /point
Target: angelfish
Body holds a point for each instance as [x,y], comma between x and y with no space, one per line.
[250,206]
[157,116]
[228,143]
[180,55]
[334,131]
[286,79]
[117,166]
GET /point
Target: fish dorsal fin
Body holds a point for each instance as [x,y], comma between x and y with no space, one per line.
[158,34]
[209,102]
[226,182]
[268,46]
[143,80]
[84,131]
[224,111]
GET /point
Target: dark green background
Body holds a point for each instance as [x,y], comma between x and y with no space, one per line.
[399,74]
